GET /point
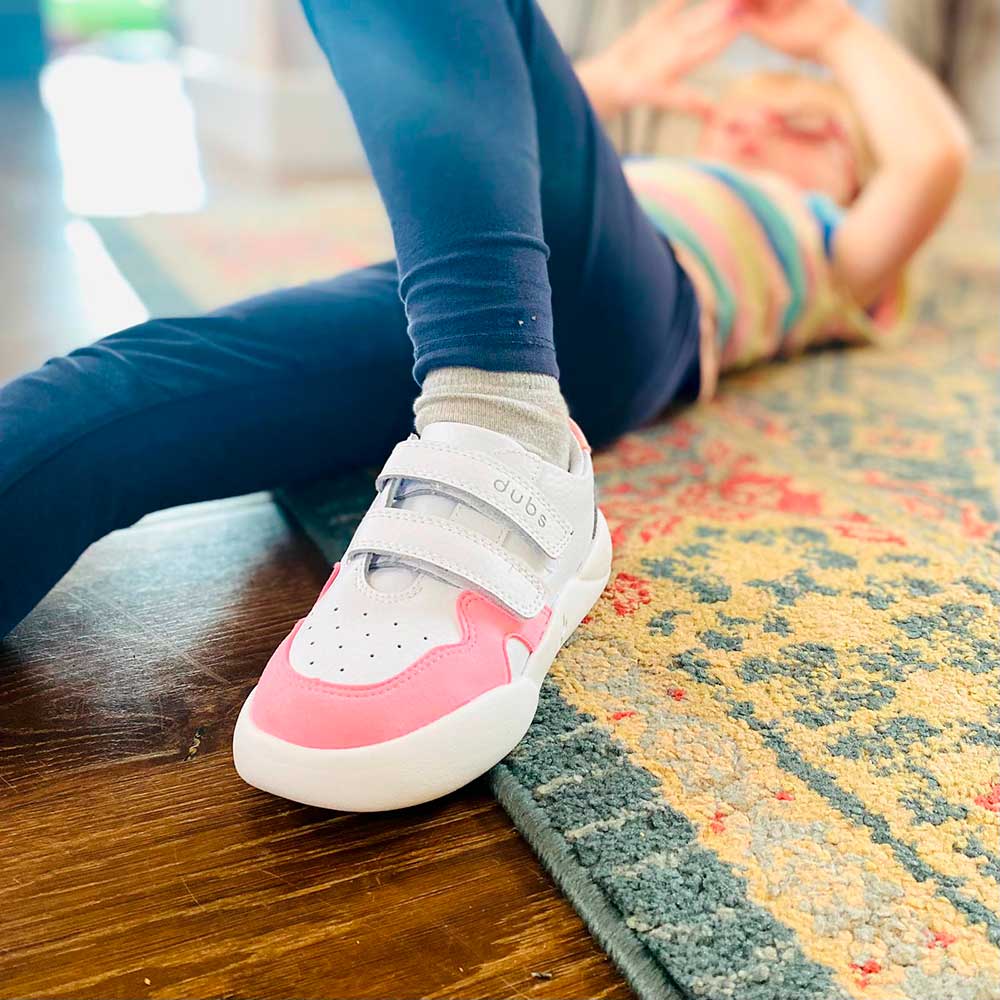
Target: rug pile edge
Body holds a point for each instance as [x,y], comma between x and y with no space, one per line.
[643,973]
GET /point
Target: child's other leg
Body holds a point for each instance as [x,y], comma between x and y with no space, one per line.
[281,388]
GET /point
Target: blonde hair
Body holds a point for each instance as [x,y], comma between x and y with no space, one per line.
[819,94]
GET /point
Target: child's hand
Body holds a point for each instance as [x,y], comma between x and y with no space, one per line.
[648,62]
[800,28]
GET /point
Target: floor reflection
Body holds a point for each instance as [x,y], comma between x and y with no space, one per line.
[126,134]
[107,300]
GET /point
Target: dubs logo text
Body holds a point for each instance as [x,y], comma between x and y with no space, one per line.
[520,499]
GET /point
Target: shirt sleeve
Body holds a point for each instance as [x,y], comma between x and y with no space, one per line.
[827,214]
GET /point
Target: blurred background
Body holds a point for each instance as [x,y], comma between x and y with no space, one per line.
[199,151]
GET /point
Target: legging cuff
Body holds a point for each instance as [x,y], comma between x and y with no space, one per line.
[489,352]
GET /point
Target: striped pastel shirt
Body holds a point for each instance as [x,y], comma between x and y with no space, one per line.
[757,252]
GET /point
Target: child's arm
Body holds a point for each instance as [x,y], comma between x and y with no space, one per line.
[919,141]
[921,147]
[645,65]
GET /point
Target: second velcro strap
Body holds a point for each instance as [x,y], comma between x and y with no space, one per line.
[436,543]
[485,480]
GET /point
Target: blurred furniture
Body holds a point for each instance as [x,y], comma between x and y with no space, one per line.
[263,93]
[261,90]
[959,41]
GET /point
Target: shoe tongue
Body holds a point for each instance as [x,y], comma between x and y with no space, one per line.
[389,577]
[472,438]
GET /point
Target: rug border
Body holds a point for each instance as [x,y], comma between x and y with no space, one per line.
[606,924]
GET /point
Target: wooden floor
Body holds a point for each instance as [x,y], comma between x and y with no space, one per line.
[135,862]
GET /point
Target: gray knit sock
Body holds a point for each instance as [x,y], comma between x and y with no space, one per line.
[523,405]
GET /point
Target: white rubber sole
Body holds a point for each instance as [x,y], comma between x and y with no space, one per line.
[440,757]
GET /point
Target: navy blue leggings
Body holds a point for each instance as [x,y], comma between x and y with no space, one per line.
[507,202]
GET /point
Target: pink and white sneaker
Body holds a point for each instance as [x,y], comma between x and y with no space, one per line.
[420,664]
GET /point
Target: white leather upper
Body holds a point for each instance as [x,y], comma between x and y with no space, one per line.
[440,545]
[433,531]
[358,635]
[486,479]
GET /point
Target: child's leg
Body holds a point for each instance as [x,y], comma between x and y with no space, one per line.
[484,148]
[403,682]
[276,389]
[442,101]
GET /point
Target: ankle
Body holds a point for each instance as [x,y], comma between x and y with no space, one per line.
[525,406]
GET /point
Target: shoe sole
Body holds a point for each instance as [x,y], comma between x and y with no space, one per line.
[437,758]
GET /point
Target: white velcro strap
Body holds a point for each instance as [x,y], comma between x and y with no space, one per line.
[488,481]
[437,542]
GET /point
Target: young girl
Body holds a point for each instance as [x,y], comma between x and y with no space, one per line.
[519,239]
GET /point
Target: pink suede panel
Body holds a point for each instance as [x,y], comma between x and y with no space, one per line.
[315,713]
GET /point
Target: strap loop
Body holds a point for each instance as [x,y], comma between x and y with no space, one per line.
[439,543]
[489,482]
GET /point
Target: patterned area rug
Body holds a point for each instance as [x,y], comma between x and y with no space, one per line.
[767,766]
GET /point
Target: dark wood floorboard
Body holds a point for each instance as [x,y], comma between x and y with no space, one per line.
[133,852]
[135,861]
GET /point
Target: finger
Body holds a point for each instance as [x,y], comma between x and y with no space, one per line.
[654,22]
[757,24]
[716,38]
[682,24]
[710,18]
[659,15]
[710,12]
[665,10]
[708,42]
[768,8]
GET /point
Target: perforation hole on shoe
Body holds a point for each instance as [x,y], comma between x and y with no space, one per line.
[365,638]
